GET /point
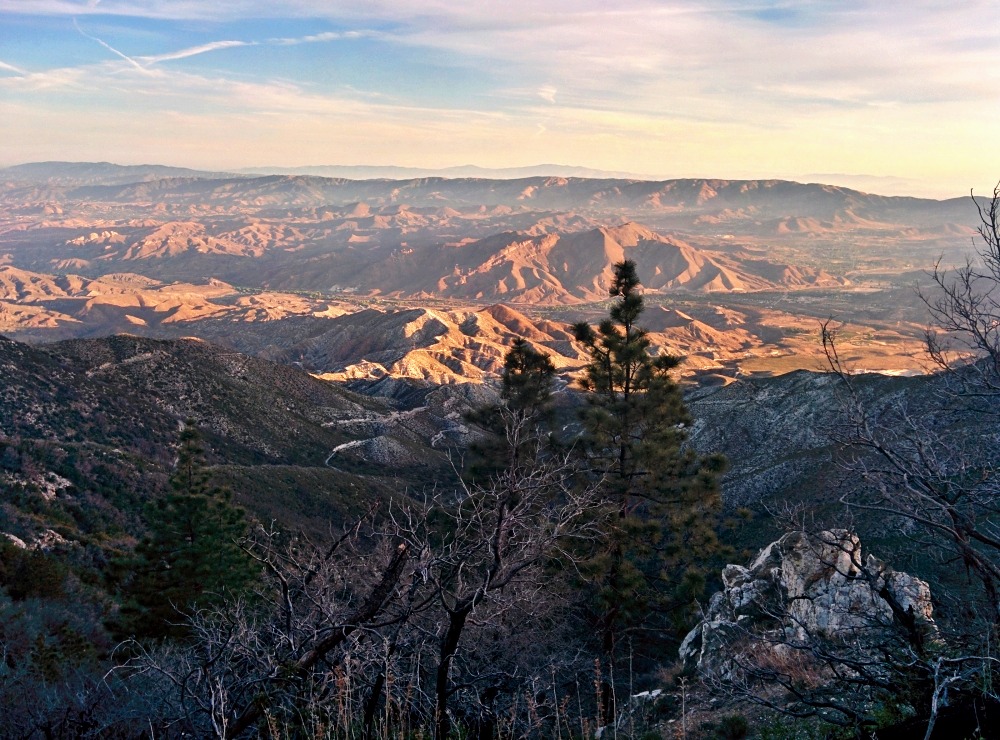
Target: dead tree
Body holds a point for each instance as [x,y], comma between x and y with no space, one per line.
[928,461]
[965,309]
[278,655]
[930,465]
[487,550]
[334,631]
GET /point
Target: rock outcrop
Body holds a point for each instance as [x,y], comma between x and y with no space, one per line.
[800,591]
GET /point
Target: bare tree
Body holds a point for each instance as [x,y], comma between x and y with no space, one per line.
[929,464]
[279,653]
[965,309]
[370,630]
[488,551]
[926,462]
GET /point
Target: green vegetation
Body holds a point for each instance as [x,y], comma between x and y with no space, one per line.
[216,610]
[192,556]
[525,399]
[650,565]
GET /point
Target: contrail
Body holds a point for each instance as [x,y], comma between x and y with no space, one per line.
[112,49]
[195,50]
[321,37]
[143,63]
[12,68]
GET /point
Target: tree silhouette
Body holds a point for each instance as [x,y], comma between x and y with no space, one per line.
[191,556]
[516,423]
[664,495]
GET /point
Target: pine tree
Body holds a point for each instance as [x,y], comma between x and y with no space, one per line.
[516,423]
[191,556]
[528,376]
[664,497]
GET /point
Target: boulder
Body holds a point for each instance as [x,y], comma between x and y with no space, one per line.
[798,591]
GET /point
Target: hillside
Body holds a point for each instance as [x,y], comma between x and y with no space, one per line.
[566,268]
[87,430]
[404,253]
[122,399]
[104,414]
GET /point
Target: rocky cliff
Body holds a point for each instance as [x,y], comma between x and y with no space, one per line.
[805,602]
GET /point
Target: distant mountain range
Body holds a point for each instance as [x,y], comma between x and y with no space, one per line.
[106,173]
[547,184]
[367,172]
[722,199]
[97,173]
[536,240]
[91,248]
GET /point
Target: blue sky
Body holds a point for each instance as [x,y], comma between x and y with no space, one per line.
[906,93]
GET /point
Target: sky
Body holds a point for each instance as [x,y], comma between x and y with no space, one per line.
[897,97]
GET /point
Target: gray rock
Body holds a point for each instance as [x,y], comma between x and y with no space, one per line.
[803,587]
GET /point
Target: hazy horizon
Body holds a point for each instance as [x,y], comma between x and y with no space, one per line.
[874,184]
[899,102]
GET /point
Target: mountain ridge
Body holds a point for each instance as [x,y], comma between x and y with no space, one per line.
[293,251]
[108,173]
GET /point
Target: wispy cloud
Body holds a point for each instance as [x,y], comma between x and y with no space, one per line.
[547,92]
[49,80]
[321,37]
[195,51]
[232,44]
[635,85]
